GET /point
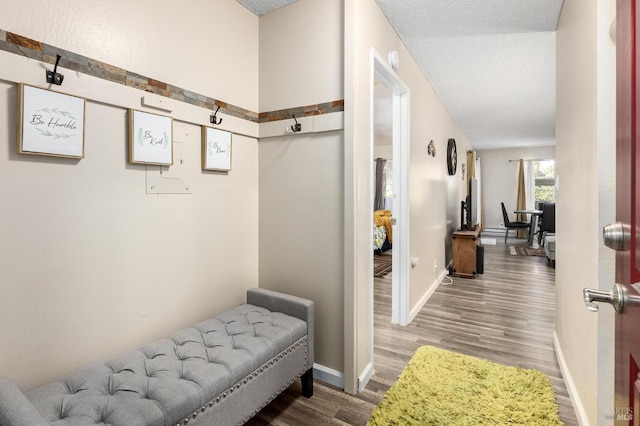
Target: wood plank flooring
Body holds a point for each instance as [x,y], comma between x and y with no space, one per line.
[507,315]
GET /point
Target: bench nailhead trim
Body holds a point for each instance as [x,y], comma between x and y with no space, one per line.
[271,362]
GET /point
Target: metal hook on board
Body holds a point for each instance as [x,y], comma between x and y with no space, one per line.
[296,127]
[53,76]
[215,121]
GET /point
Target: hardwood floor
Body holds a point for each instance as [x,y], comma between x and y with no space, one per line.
[506,315]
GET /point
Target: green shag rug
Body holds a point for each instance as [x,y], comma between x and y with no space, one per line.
[440,387]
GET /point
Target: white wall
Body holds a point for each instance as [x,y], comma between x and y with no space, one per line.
[383,151]
[301,197]
[301,230]
[92,265]
[209,48]
[606,93]
[366,27]
[301,55]
[585,135]
[500,179]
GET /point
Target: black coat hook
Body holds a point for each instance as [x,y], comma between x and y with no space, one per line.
[215,121]
[296,127]
[53,76]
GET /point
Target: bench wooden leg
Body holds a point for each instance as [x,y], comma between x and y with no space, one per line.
[307,383]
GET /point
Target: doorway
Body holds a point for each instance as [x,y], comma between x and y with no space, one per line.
[383,194]
[387,83]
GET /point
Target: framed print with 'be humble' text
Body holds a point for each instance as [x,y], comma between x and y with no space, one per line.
[50,123]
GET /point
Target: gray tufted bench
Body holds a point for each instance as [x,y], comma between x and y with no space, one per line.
[219,372]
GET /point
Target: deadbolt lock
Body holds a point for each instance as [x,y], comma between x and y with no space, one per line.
[617,236]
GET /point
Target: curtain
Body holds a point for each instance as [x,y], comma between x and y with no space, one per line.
[530,184]
[474,171]
[388,185]
[471,165]
[521,204]
[478,172]
[378,203]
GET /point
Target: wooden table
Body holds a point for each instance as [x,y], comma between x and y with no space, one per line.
[532,228]
[465,245]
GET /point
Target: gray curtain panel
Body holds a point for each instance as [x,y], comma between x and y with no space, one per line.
[378,203]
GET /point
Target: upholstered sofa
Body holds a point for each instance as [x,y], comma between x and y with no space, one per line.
[550,247]
[219,372]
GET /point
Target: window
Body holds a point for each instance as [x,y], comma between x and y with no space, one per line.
[545,180]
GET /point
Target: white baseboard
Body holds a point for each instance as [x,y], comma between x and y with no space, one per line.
[364,378]
[328,375]
[496,231]
[581,414]
[425,297]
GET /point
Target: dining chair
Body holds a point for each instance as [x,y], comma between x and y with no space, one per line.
[512,225]
[539,221]
[548,225]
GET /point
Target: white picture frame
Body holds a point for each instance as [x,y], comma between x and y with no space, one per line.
[150,138]
[50,123]
[216,149]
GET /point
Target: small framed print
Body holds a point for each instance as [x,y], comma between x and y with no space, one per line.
[216,149]
[150,138]
[50,123]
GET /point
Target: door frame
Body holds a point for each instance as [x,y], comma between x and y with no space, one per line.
[627,349]
[356,302]
[385,75]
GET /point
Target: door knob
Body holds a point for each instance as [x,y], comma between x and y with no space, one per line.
[616,298]
[617,236]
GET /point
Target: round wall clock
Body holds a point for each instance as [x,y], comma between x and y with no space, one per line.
[452,157]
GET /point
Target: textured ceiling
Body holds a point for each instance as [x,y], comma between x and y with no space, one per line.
[492,62]
[262,7]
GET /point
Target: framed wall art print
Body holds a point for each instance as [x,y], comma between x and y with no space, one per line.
[150,138]
[216,149]
[50,123]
